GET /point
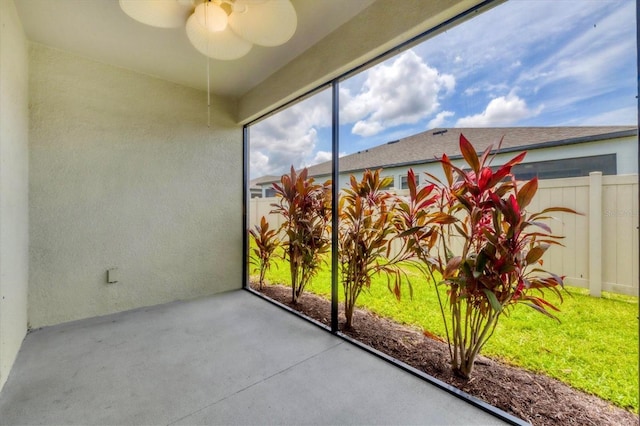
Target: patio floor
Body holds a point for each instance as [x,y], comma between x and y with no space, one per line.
[227,359]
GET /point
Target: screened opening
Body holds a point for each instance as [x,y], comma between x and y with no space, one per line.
[404,181]
[568,167]
[536,72]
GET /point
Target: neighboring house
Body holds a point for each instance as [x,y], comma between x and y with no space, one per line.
[256,186]
[552,152]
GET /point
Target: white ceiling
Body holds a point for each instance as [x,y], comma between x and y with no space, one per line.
[100,30]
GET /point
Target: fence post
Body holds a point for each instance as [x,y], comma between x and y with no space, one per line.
[595,234]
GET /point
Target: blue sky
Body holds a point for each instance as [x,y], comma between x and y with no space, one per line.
[523,63]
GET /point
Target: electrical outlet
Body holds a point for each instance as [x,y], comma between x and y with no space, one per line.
[112,275]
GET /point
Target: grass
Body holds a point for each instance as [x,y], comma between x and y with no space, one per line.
[593,348]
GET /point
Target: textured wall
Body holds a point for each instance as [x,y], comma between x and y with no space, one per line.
[124,173]
[14,174]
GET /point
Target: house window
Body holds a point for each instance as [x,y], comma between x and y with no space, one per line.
[269,192]
[566,167]
[391,184]
[404,181]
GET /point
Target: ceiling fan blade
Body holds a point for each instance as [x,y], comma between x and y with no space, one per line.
[223,45]
[267,23]
[158,13]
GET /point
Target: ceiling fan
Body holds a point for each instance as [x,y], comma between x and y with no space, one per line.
[220,29]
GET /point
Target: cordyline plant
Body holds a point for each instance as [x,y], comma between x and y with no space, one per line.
[486,247]
[365,233]
[266,240]
[306,209]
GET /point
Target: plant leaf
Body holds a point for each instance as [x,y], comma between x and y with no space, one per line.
[452,267]
[485,155]
[469,154]
[555,209]
[542,311]
[526,193]
[517,159]
[536,253]
[493,300]
[446,168]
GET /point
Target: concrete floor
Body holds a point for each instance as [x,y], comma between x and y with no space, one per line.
[228,359]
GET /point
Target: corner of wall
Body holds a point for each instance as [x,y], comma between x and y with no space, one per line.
[14,175]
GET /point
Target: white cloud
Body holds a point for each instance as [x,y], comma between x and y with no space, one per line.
[324,156]
[367,128]
[588,63]
[513,29]
[620,117]
[560,46]
[289,137]
[490,90]
[501,111]
[259,164]
[321,157]
[440,119]
[470,91]
[403,91]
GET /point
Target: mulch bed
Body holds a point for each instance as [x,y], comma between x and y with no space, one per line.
[533,397]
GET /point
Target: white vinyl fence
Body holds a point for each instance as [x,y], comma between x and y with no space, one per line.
[600,246]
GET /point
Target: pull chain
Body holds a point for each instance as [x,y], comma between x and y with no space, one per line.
[208,94]
[208,74]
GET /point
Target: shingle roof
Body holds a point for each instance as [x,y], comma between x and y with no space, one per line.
[427,146]
[255,183]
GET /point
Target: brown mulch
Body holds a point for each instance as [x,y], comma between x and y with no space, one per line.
[533,397]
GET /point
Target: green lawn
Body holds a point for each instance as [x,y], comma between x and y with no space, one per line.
[594,348]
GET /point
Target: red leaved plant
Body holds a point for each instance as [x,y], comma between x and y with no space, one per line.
[485,246]
[306,209]
[366,230]
[266,241]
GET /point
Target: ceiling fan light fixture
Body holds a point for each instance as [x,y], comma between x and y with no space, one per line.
[211,16]
[158,13]
[225,45]
[220,29]
[266,23]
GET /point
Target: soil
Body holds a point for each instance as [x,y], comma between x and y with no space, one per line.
[533,397]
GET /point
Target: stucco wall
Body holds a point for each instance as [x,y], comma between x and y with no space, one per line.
[14,229]
[125,173]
